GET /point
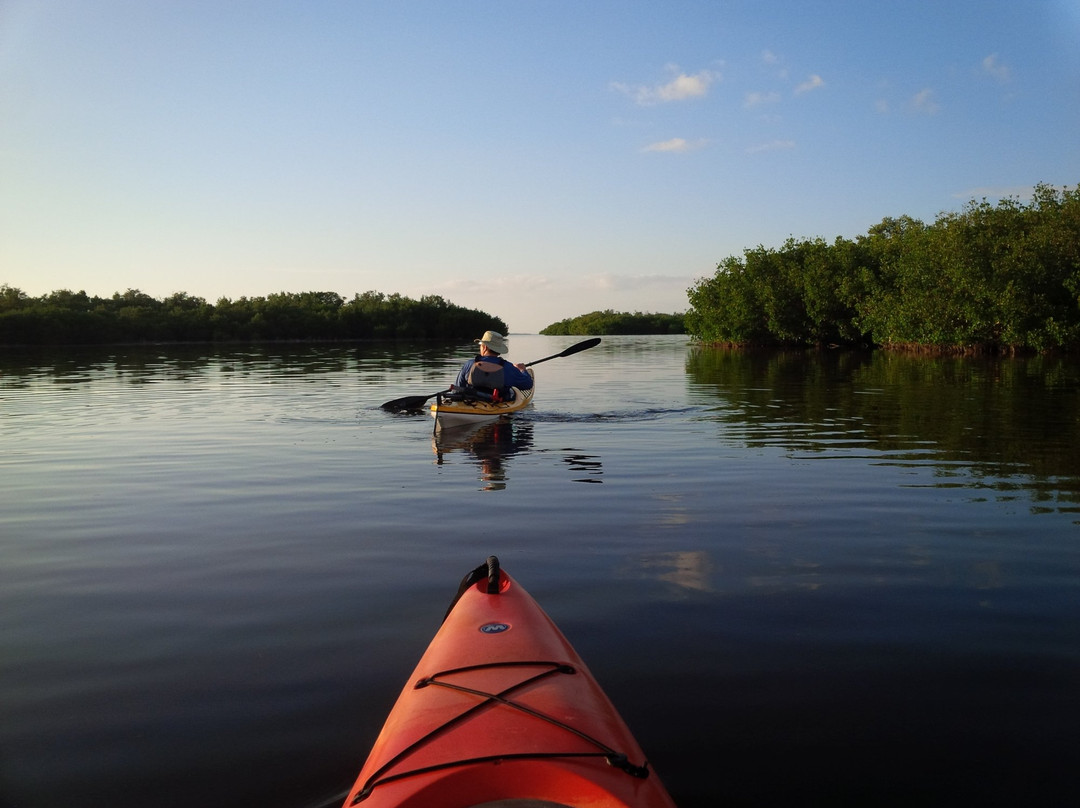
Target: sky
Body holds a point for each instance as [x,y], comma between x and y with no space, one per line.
[535,160]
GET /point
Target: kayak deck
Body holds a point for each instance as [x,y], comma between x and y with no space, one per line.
[501,708]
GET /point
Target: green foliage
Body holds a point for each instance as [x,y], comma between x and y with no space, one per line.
[73,318]
[614,322]
[989,278]
[799,294]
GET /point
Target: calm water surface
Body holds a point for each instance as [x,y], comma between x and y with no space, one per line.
[838,579]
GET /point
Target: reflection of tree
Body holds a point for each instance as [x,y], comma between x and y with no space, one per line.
[489,445]
[999,417]
[186,362]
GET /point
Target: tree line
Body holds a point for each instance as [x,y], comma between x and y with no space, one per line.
[991,278]
[617,322]
[75,318]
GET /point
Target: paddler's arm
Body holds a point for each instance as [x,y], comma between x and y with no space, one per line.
[519,376]
[463,375]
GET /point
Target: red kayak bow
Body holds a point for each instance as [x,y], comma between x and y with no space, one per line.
[501,710]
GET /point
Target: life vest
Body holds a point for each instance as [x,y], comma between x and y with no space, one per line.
[486,375]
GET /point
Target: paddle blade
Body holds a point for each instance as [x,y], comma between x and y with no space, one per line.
[581,346]
[573,349]
[408,403]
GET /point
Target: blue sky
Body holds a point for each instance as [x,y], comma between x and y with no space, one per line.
[537,160]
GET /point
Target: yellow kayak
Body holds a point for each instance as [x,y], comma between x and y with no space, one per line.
[450,413]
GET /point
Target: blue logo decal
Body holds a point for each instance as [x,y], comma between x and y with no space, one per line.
[495,628]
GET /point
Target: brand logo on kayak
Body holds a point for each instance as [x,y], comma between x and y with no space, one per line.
[495,628]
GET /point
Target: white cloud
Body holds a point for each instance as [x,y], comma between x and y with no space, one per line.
[924,101]
[528,302]
[560,285]
[610,282]
[811,83]
[992,67]
[685,86]
[680,88]
[772,145]
[758,99]
[676,144]
[773,60]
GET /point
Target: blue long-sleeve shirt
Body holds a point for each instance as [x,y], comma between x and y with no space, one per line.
[511,375]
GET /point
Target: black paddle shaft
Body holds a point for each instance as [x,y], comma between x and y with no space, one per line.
[573,349]
[416,402]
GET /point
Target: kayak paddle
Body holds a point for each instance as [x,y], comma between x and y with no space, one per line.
[573,349]
[416,402]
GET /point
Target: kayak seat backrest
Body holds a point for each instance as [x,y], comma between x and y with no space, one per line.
[485,375]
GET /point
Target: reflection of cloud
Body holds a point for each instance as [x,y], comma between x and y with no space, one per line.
[781,583]
[690,569]
[987,575]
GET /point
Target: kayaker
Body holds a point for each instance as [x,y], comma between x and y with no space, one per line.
[489,374]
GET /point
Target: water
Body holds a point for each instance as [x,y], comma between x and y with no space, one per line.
[833,579]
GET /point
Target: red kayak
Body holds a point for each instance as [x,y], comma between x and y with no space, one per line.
[502,711]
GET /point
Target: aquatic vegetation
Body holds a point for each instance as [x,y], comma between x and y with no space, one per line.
[997,278]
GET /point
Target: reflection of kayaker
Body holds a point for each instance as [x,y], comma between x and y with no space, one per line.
[490,444]
[502,710]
